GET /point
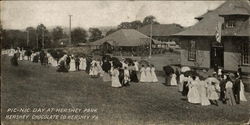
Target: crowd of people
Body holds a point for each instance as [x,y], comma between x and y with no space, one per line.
[227,88]
[118,72]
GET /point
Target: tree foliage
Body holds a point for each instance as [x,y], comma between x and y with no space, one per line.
[95,34]
[43,36]
[57,34]
[78,35]
[149,20]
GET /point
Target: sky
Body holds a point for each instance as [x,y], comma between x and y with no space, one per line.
[22,14]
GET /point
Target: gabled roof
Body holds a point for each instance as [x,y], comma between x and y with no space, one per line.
[207,25]
[161,29]
[125,37]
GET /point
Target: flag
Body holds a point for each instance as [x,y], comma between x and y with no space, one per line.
[218,32]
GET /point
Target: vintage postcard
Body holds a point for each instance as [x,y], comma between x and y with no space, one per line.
[125,62]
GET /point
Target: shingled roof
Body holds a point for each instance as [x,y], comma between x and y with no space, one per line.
[208,21]
[125,37]
[161,29]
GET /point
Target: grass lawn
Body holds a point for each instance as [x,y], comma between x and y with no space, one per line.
[31,85]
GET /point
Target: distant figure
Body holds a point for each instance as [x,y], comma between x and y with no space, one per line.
[68,61]
[136,64]
[193,94]
[42,54]
[45,60]
[223,89]
[14,60]
[126,76]
[148,74]
[106,67]
[72,66]
[212,93]
[173,81]
[153,75]
[202,89]
[82,64]
[77,63]
[62,67]
[242,91]
[115,78]
[236,89]
[133,74]
[143,74]
[182,77]
[229,92]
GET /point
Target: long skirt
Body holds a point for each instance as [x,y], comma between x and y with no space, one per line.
[106,77]
[133,76]
[185,89]
[230,97]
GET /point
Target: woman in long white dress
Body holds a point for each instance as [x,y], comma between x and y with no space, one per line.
[143,74]
[193,94]
[115,78]
[81,64]
[173,81]
[203,93]
[242,92]
[72,66]
[148,77]
[136,66]
[153,75]
[54,62]
[182,78]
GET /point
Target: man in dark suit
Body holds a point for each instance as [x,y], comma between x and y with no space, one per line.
[236,89]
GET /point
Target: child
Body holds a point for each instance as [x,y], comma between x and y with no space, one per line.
[126,76]
[212,93]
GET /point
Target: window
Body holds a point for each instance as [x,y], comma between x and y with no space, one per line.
[192,51]
[245,53]
[230,24]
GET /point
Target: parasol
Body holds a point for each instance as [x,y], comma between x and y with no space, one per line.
[191,73]
[185,68]
[212,79]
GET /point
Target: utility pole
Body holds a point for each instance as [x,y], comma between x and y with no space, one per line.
[70,29]
[150,44]
[43,38]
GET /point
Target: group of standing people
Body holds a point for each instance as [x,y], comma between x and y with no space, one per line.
[227,88]
[148,74]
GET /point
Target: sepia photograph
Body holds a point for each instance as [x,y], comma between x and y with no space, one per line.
[164,62]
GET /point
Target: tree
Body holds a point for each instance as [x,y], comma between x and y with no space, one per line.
[124,25]
[31,31]
[78,35]
[57,34]
[95,34]
[136,24]
[13,38]
[149,19]
[43,37]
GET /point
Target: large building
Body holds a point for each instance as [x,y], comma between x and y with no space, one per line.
[202,49]
[128,41]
